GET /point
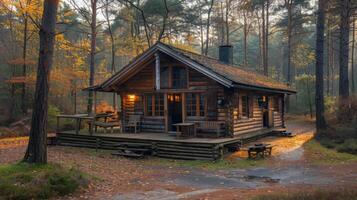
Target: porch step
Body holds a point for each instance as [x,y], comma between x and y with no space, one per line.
[128,154]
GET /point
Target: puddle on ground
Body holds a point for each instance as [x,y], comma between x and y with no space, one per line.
[264,179]
[251,178]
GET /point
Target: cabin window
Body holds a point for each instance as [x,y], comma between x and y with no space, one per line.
[164,77]
[245,106]
[195,104]
[149,107]
[179,77]
[154,104]
[159,105]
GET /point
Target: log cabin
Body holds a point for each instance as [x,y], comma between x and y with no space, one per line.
[166,85]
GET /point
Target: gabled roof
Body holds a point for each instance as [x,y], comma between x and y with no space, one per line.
[227,75]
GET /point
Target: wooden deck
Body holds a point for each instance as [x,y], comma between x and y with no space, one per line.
[163,145]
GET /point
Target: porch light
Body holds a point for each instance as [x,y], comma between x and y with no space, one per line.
[264,98]
[131,96]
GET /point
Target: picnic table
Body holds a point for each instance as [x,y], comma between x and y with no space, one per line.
[261,150]
[79,117]
[187,129]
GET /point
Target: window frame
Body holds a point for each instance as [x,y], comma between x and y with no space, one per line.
[157,104]
[170,75]
[196,106]
[245,112]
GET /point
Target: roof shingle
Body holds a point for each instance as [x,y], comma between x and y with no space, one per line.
[234,73]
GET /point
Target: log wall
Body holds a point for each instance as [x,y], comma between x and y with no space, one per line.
[254,123]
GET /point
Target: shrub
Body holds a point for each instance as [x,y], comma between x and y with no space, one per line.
[34,181]
[349,146]
[53,111]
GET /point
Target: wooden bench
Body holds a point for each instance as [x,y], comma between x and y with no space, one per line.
[110,121]
[106,125]
[210,125]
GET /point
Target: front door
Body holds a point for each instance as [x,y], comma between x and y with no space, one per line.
[174,110]
[265,107]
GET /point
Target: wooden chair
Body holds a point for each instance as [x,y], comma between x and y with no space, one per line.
[134,122]
[210,125]
[109,122]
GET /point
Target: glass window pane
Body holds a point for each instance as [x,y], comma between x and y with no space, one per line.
[164,77]
[148,104]
[179,77]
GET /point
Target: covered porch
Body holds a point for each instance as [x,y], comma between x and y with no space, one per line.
[162,145]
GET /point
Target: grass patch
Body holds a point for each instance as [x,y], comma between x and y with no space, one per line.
[323,155]
[208,165]
[334,194]
[341,137]
[38,181]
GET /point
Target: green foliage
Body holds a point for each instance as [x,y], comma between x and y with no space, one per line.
[330,104]
[320,154]
[53,111]
[38,181]
[157,7]
[331,194]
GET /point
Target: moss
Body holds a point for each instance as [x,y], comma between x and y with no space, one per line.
[36,181]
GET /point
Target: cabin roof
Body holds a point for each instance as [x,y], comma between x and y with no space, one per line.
[227,75]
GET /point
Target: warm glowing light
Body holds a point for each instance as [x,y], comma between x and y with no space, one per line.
[131,96]
[264,98]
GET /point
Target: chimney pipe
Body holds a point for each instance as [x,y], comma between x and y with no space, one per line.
[226,54]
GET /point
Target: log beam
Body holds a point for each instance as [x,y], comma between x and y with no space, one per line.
[157,71]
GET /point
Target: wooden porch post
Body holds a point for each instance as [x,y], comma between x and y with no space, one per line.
[183,96]
[283,110]
[157,71]
[115,101]
[166,116]
[95,102]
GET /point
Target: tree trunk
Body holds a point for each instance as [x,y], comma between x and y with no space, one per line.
[319,53]
[345,14]
[228,4]
[353,56]
[208,26]
[245,38]
[265,70]
[267,39]
[24,49]
[328,48]
[92,53]
[288,4]
[37,146]
[309,96]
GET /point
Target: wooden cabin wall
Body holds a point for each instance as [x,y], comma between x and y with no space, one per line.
[153,124]
[135,106]
[143,80]
[253,123]
[278,115]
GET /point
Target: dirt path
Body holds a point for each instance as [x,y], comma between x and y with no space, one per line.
[120,178]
